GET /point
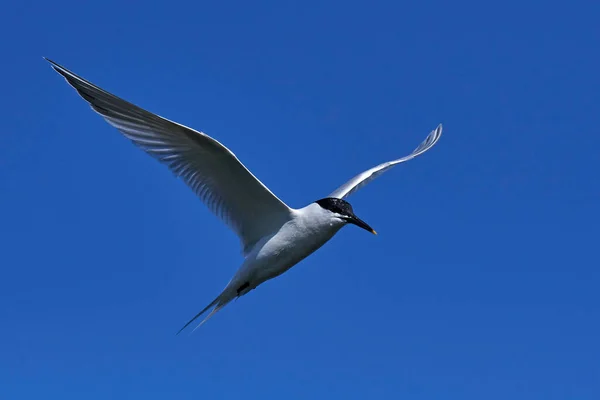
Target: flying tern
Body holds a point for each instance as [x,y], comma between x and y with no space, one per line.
[274,237]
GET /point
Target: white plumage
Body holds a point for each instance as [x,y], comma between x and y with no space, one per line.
[274,237]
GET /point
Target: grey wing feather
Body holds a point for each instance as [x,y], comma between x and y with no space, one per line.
[210,169]
[367,176]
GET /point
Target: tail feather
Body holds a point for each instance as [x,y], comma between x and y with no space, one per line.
[213,312]
[218,303]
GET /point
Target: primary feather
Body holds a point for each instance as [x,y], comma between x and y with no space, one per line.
[367,176]
[210,169]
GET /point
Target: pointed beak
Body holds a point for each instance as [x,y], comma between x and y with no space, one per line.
[360,223]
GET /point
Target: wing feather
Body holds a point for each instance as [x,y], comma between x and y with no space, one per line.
[210,169]
[367,176]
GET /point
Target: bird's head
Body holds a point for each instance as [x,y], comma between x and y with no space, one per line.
[342,210]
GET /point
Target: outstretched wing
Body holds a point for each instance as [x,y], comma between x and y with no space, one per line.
[213,172]
[367,176]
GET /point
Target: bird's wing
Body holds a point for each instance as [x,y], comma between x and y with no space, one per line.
[367,176]
[210,169]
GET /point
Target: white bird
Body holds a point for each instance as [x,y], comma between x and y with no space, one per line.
[274,237]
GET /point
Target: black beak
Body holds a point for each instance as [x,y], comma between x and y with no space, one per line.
[359,222]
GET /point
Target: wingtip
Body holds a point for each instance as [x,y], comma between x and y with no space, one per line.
[58,68]
[436,133]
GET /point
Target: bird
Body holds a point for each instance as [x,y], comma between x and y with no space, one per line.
[273,236]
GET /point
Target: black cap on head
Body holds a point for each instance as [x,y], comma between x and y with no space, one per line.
[336,205]
[344,209]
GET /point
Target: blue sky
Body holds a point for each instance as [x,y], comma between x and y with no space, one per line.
[483,281]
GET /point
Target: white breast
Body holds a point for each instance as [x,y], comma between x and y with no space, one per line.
[309,229]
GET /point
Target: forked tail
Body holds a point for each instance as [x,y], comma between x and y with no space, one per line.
[218,303]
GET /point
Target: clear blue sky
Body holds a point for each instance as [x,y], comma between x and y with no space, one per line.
[483,281]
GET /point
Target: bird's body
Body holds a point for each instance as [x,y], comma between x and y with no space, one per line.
[274,236]
[307,230]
